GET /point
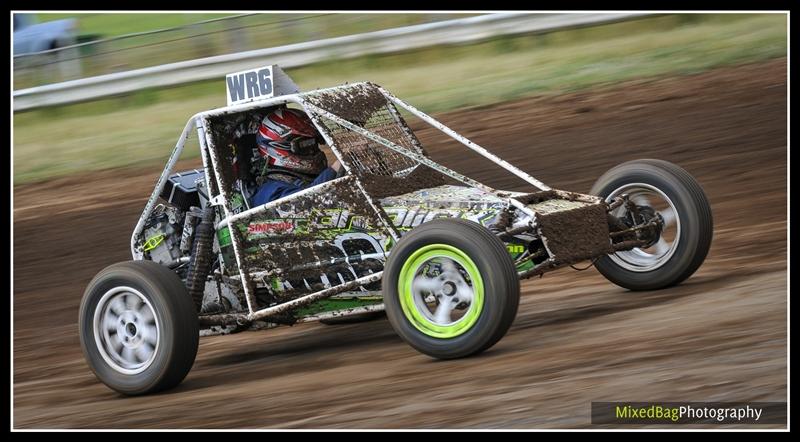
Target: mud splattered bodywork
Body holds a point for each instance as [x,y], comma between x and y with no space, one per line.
[293,257]
[322,239]
[331,237]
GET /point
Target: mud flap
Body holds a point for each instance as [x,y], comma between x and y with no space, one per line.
[573,227]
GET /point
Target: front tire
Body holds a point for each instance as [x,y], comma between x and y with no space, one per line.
[450,288]
[138,327]
[688,225]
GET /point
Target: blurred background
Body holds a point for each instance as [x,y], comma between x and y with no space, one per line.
[506,59]
[100,99]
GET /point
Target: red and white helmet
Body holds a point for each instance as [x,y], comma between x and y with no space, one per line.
[288,140]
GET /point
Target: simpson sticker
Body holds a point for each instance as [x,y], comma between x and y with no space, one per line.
[270,227]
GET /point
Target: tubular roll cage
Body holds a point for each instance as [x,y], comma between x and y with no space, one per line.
[211,161]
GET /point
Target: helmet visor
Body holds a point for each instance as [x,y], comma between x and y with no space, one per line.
[304,146]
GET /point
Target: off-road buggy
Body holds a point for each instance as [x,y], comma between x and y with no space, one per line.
[442,253]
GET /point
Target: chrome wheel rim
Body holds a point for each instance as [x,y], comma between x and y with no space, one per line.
[126,330]
[647,259]
[445,297]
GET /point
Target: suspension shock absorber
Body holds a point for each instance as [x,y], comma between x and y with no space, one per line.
[201,258]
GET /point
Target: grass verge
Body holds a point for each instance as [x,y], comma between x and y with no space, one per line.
[142,128]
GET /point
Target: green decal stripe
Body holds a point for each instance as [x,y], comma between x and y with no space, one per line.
[333,304]
[525,265]
[224,237]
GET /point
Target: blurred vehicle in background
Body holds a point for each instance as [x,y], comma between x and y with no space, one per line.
[30,36]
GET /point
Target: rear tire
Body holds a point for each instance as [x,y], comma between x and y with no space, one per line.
[138,327]
[438,262]
[690,208]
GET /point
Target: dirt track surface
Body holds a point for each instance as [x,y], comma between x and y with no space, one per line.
[720,336]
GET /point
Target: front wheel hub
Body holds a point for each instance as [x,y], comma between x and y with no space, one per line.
[441,291]
[650,203]
[126,330]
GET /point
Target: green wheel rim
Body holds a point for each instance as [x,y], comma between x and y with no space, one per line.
[421,260]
